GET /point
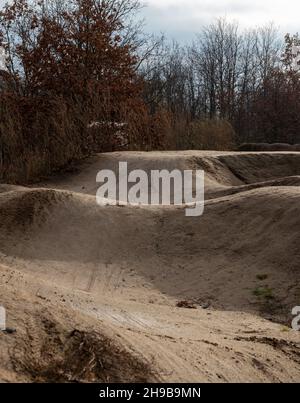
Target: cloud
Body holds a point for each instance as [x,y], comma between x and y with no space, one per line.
[182,18]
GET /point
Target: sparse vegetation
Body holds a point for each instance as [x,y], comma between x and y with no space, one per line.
[264,293]
[83,357]
[262,277]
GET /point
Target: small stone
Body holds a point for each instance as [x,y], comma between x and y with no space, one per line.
[9,330]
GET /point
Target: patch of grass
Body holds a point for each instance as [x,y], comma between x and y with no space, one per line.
[264,293]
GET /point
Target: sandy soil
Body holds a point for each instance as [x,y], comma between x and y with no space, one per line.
[110,279]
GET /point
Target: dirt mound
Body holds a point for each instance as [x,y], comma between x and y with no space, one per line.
[259,147]
[20,208]
[223,170]
[10,188]
[282,182]
[217,258]
[130,271]
[255,168]
[55,343]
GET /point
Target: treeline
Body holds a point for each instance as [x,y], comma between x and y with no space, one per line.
[81,77]
[226,78]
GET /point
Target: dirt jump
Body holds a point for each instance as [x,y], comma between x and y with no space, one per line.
[152,294]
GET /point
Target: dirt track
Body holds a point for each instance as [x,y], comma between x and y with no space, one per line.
[120,271]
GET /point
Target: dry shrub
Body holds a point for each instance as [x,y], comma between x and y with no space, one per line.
[164,131]
[161,130]
[38,137]
[183,134]
[42,135]
[62,355]
[11,143]
[180,139]
[147,131]
[211,135]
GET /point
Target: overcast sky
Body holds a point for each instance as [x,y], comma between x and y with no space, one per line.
[182,18]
